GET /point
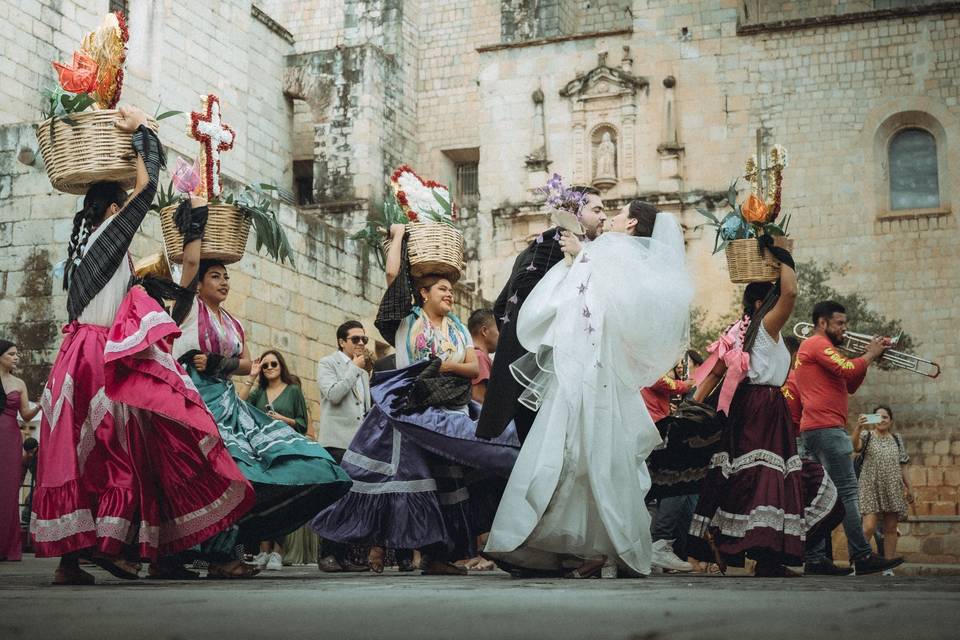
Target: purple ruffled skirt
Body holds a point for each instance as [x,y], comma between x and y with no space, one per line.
[419,481]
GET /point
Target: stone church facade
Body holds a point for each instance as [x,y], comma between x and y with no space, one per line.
[648,99]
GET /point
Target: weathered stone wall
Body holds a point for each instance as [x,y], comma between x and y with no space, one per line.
[779,11]
[295,309]
[829,90]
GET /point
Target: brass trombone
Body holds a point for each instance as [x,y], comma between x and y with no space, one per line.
[856,344]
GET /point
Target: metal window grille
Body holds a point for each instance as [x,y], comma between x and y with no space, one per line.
[120,5]
[467,184]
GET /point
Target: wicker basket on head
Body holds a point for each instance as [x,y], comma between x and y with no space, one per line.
[225,237]
[91,150]
[746,264]
[434,248]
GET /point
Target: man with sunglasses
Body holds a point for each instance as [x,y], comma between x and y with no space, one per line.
[345,399]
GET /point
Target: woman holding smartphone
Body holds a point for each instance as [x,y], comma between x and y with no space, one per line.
[884,488]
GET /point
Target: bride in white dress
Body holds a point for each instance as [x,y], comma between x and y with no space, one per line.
[597,331]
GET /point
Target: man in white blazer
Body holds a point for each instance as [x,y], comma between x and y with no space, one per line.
[345,399]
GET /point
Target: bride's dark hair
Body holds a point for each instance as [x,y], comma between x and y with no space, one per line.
[646,216]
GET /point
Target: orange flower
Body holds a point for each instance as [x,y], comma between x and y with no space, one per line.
[754,210]
[79,77]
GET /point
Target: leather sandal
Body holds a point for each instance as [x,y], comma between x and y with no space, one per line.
[239,571]
[375,559]
[114,567]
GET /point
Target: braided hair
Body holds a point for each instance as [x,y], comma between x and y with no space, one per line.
[95,204]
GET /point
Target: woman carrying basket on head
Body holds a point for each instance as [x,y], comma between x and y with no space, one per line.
[759,499]
[413,456]
[131,461]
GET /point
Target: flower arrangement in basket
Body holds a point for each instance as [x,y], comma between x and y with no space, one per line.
[231,215]
[77,137]
[738,232]
[434,245]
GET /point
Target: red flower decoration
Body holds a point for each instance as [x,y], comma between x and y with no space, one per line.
[80,76]
[122,21]
[214,136]
[412,215]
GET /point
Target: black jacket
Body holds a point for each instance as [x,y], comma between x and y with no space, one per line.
[500,405]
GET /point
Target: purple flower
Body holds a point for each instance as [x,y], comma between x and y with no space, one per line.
[530,267]
[582,289]
[540,239]
[514,299]
[505,318]
[584,258]
[586,312]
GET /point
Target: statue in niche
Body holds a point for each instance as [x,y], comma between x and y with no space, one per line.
[606,168]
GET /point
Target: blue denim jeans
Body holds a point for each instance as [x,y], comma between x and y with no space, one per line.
[672,521]
[832,448]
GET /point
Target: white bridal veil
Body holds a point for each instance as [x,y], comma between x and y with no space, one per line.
[619,314]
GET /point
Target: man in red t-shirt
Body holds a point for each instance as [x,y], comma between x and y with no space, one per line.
[483,329]
[658,395]
[825,377]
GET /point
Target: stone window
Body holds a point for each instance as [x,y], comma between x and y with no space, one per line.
[303,181]
[914,183]
[912,176]
[468,186]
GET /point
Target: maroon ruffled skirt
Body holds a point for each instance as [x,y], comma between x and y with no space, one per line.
[759,499]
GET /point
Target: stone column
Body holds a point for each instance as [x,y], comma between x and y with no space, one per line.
[581,156]
[670,149]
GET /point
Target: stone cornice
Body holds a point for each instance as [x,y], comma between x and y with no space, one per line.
[830,20]
[553,40]
[261,16]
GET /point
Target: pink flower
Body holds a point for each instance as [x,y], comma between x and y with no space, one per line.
[186,177]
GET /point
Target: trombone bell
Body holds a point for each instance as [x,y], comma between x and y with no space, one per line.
[855,344]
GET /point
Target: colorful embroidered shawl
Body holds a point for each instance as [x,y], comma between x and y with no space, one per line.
[423,340]
[226,339]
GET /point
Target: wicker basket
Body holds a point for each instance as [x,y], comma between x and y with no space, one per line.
[433,248]
[92,150]
[746,264]
[225,237]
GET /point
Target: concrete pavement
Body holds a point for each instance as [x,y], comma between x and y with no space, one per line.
[300,602]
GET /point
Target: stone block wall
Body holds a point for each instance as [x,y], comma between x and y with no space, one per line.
[604,15]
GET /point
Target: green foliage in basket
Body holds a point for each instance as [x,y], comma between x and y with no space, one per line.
[166,197]
[256,202]
[58,103]
[373,235]
[735,226]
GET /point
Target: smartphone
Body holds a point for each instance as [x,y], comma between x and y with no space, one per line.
[873,418]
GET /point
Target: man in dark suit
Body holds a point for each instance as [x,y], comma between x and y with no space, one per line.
[531,265]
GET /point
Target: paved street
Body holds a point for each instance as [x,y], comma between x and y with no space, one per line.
[301,603]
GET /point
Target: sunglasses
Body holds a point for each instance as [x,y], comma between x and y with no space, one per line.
[359,339]
[270,365]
